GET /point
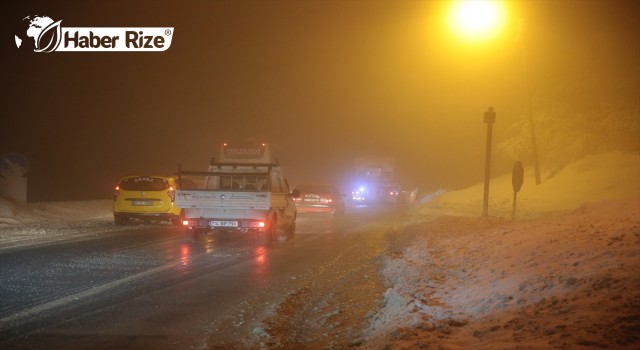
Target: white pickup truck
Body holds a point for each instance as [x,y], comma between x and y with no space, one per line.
[243,192]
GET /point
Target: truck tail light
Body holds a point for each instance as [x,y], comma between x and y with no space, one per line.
[256,224]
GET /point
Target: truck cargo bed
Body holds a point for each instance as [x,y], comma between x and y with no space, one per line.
[223,199]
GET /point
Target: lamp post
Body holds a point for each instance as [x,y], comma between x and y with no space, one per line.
[534,146]
[489,118]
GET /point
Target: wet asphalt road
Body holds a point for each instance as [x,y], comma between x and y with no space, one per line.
[156,287]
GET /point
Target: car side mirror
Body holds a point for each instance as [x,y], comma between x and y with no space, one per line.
[295,193]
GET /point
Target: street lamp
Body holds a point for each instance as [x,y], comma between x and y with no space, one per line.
[489,118]
[530,109]
[476,21]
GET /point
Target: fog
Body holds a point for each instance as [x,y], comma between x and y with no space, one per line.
[322,82]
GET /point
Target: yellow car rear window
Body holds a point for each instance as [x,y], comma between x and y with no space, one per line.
[145,183]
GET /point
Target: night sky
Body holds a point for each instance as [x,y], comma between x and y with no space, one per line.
[321,81]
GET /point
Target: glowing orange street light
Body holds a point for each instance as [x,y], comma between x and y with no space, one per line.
[475,20]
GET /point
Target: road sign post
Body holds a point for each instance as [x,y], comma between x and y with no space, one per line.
[489,118]
[517,178]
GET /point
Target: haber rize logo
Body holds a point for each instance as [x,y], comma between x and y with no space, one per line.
[48,36]
[44,31]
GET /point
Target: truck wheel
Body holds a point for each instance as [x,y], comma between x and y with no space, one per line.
[272,231]
[196,232]
[291,230]
[177,219]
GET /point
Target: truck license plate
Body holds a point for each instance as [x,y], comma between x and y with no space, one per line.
[224,223]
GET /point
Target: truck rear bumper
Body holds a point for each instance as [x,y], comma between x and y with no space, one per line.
[225,224]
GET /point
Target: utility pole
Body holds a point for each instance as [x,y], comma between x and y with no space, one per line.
[534,146]
[489,118]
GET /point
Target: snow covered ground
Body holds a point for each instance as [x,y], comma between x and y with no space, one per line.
[563,275]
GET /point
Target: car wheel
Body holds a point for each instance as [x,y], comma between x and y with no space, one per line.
[177,220]
[120,221]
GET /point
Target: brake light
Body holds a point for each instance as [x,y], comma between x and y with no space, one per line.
[185,222]
[257,224]
[172,193]
[326,200]
[116,192]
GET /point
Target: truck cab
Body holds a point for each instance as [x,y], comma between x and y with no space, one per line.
[243,190]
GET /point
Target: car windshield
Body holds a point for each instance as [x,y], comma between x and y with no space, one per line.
[250,182]
[144,183]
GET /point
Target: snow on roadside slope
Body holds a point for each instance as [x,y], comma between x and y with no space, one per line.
[51,212]
[43,222]
[593,179]
[566,279]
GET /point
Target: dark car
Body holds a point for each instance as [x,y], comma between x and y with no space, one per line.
[319,199]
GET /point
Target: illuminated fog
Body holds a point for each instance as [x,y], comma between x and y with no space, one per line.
[322,82]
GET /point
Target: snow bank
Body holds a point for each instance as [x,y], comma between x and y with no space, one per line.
[51,212]
[569,281]
[41,223]
[566,279]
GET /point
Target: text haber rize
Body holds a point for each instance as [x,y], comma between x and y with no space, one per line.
[132,40]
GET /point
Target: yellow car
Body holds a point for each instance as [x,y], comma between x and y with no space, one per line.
[147,198]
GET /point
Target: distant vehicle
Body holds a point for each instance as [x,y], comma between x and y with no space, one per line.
[374,180]
[319,199]
[147,198]
[244,190]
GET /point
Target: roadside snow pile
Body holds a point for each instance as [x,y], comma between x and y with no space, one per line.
[40,223]
[567,279]
[50,212]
